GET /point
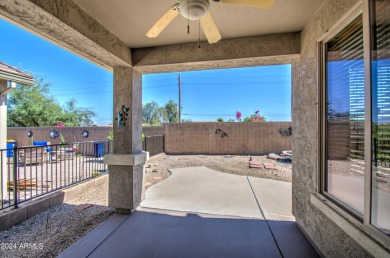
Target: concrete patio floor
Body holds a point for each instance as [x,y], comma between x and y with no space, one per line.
[198,212]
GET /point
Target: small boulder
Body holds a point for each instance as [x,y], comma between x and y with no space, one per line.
[273,156]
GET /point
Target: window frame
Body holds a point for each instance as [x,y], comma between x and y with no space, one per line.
[363,8]
[322,72]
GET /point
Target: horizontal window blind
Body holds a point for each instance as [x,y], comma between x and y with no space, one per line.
[345,115]
[380,209]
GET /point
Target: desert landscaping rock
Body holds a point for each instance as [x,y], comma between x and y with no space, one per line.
[273,156]
[238,165]
[52,231]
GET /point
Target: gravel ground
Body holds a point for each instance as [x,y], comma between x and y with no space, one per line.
[51,232]
[238,165]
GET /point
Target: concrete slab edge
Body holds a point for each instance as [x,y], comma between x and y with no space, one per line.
[87,244]
[11,217]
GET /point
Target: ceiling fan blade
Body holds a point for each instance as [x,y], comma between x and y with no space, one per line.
[252,3]
[210,28]
[162,23]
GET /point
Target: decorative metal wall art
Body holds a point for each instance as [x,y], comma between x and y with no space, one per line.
[54,134]
[222,133]
[285,131]
[122,116]
[85,134]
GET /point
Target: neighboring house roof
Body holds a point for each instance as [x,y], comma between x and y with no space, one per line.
[9,73]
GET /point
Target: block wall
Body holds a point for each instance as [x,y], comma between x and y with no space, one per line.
[240,138]
[71,134]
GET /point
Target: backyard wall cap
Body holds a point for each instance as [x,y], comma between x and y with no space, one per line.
[126,159]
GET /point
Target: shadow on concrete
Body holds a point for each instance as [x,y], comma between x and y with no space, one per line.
[162,233]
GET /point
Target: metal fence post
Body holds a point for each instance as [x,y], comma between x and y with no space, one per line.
[15,175]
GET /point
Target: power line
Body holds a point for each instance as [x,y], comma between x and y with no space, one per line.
[85,88]
[168,79]
[264,114]
[158,86]
[212,101]
[230,77]
[236,83]
[82,93]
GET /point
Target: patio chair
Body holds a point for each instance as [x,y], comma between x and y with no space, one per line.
[30,156]
[67,153]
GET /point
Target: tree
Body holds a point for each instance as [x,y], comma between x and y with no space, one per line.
[247,119]
[172,112]
[151,113]
[76,116]
[256,117]
[35,106]
[219,119]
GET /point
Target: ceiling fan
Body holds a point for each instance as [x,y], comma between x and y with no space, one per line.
[200,10]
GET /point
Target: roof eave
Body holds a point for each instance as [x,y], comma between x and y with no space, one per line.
[16,78]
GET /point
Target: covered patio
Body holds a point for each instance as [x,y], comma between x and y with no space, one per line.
[199,212]
[112,34]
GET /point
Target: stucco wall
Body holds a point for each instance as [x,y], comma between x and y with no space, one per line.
[242,138]
[326,235]
[71,134]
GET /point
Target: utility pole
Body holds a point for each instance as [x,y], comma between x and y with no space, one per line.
[179,98]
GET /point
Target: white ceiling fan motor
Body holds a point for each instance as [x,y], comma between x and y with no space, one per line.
[194,9]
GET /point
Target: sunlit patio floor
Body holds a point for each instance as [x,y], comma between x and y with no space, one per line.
[198,212]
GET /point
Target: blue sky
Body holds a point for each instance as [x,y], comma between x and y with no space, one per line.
[206,95]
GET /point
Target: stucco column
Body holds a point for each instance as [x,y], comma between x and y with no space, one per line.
[3,136]
[126,164]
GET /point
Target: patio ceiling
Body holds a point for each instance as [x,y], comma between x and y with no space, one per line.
[112,33]
[130,20]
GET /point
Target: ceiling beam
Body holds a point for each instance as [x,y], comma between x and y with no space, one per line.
[66,24]
[253,51]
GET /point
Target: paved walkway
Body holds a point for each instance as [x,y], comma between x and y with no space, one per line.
[198,212]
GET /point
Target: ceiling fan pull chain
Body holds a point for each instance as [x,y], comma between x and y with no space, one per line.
[188,19]
[199,35]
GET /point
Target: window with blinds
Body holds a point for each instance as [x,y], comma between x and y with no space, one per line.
[380,72]
[345,116]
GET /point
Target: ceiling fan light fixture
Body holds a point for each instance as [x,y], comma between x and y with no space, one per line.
[194,9]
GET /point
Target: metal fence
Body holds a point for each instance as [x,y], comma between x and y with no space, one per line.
[153,144]
[29,172]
